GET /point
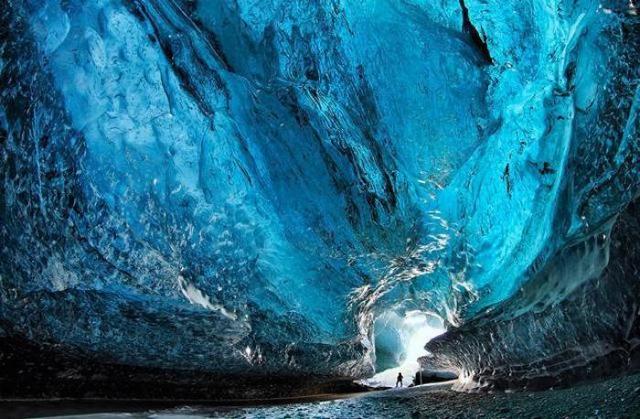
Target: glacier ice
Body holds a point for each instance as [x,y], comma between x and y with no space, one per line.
[241,186]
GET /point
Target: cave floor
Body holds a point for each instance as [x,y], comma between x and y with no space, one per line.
[614,398]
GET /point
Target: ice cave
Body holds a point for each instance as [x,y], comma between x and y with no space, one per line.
[240,199]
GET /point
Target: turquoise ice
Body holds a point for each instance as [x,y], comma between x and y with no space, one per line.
[248,185]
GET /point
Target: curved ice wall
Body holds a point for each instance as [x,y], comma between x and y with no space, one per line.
[246,186]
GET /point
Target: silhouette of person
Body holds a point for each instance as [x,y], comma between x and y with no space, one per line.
[399,381]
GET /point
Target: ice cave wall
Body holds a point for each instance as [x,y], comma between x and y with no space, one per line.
[245,186]
[535,343]
[575,316]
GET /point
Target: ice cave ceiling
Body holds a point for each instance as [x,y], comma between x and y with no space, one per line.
[240,185]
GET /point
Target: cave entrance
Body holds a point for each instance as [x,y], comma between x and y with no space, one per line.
[399,342]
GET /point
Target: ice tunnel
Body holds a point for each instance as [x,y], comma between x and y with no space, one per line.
[247,188]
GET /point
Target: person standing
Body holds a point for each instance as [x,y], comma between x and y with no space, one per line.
[399,381]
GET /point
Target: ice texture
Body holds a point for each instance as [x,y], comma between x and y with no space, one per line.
[246,186]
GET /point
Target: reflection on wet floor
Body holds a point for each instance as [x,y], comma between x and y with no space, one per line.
[616,398]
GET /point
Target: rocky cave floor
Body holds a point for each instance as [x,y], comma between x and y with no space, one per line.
[613,398]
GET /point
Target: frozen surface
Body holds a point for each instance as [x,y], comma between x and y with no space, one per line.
[609,399]
[244,186]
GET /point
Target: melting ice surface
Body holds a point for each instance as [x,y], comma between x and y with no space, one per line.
[236,184]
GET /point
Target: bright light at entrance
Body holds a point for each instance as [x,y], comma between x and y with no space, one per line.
[416,330]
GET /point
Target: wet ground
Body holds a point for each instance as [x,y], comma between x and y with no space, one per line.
[615,398]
